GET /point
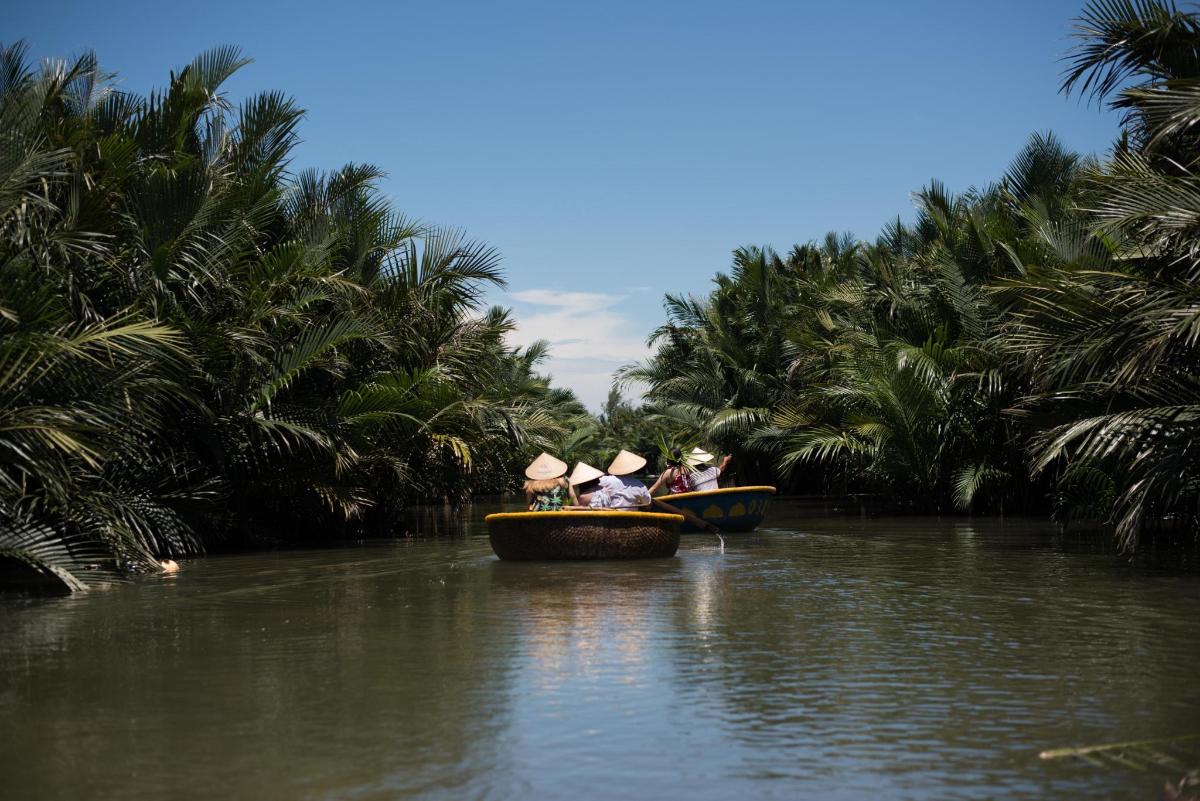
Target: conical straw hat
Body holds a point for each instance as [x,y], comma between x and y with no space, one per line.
[546,467]
[583,473]
[699,456]
[626,463]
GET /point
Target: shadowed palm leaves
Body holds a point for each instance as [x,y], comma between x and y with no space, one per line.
[1109,324]
[79,408]
[182,322]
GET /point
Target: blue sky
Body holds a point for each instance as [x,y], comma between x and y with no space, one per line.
[615,151]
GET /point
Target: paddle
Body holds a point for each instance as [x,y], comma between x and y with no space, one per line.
[690,517]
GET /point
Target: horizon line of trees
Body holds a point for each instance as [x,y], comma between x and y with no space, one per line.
[1031,345]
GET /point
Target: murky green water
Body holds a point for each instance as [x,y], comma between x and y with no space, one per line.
[818,658]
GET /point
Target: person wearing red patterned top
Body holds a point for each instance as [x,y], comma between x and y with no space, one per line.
[676,478]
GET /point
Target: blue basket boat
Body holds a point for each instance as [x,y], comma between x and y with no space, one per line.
[730,509]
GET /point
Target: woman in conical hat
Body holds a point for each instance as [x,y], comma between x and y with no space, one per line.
[584,474]
[584,481]
[705,477]
[547,489]
[626,463]
[618,490]
[545,467]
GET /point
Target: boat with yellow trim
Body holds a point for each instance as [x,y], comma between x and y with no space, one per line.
[729,509]
[601,534]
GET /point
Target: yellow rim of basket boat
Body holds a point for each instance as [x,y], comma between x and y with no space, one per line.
[585,514]
[709,493]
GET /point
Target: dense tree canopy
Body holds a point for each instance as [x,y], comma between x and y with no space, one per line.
[1030,342]
[197,344]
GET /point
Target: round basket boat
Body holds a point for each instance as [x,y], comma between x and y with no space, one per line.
[730,509]
[527,536]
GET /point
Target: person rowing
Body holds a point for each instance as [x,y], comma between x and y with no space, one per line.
[685,474]
[677,478]
[705,474]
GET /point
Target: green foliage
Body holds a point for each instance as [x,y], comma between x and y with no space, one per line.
[197,345]
[595,440]
[1033,339]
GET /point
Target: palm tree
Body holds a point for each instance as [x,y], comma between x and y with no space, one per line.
[1106,317]
[198,346]
[1035,333]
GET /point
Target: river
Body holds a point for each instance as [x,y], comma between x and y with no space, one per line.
[820,657]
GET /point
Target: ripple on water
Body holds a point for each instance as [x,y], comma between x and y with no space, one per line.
[822,657]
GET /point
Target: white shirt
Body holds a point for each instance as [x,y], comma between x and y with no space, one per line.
[620,492]
[706,479]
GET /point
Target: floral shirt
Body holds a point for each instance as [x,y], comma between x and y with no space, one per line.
[682,482]
[551,501]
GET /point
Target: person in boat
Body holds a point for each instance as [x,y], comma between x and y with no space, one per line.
[705,474]
[546,489]
[584,482]
[676,478]
[619,489]
[616,489]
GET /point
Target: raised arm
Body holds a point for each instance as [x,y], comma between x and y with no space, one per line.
[725,463]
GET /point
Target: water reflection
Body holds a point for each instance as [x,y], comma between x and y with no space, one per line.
[913,649]
[306,676]
[825,657]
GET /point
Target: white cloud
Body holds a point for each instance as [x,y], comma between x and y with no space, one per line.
[588,334]
[574,301]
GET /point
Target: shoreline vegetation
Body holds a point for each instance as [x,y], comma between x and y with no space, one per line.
[1028,347]
[201,347]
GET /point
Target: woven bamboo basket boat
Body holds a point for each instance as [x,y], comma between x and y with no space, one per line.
[730,509]
[606,534]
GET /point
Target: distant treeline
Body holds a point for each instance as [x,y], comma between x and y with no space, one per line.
[1027,346]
